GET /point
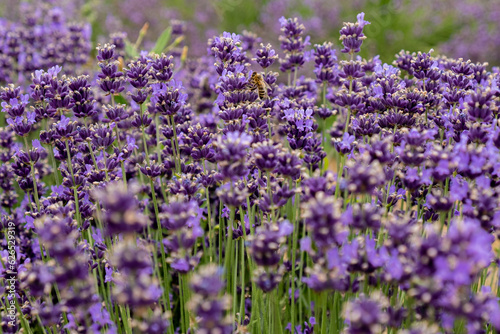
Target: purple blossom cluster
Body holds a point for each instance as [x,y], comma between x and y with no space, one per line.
[162,194]
[44,37]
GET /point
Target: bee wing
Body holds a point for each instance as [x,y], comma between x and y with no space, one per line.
[267,87]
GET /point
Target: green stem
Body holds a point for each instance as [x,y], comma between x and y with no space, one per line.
[75,192]
[295,235]
[176,142]
[277,313]
[229,248]
[347,120]
[125,320]
[242,300]
[122,163]
[408,201]
[182,305]
[235,279]
[323,315]
[35,186]
[209,219]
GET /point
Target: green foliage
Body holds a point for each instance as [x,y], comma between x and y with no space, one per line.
[162,41]
[130,49]
[120,99]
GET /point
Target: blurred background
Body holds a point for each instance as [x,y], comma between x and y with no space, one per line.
[457,28]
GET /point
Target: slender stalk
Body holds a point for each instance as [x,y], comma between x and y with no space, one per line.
[125,320]
[242,298]
[211,242]
[176,148]
[75,192]
[278,328]
[35,186]
[229,248]
[324,299]
[295,235]
[122,163]
[159,238]
[348,120]
[235,279]
[182,305]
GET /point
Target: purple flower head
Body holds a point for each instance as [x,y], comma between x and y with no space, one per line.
[54,71]
[110,79]
[394,267]
[105,53]
[131,145]
[120,209]
[366,314]
[161,67]
[137,290]
[265,156]
[352,35]
[231,152]
[293,44]
[265,248]
[366,216]
[324,54]
[208,281]
[10,92]
[227,51]
[387,71]
[231,81]
[129,258]
[60,242]
[300,127]
[308,327]
[103,137]
[469,252]
[249,40]
[16,106]
[265,56]
[22,126]
[364,177]
[137,72]
[209,308]
[118,40]
[291,27]
[82,97]
[179,214]
[320,278]
[323,219]
[438,202]
[100,316]
[233,195]
[361,20]
[480,106]
[183,265]
[325,59]
[289,165]
[424,67]
[306,245]
[346,145]
[268,280]
[168,99]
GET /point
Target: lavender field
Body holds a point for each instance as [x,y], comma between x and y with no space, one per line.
[251,182]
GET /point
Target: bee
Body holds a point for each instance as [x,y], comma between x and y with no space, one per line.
[258,83]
